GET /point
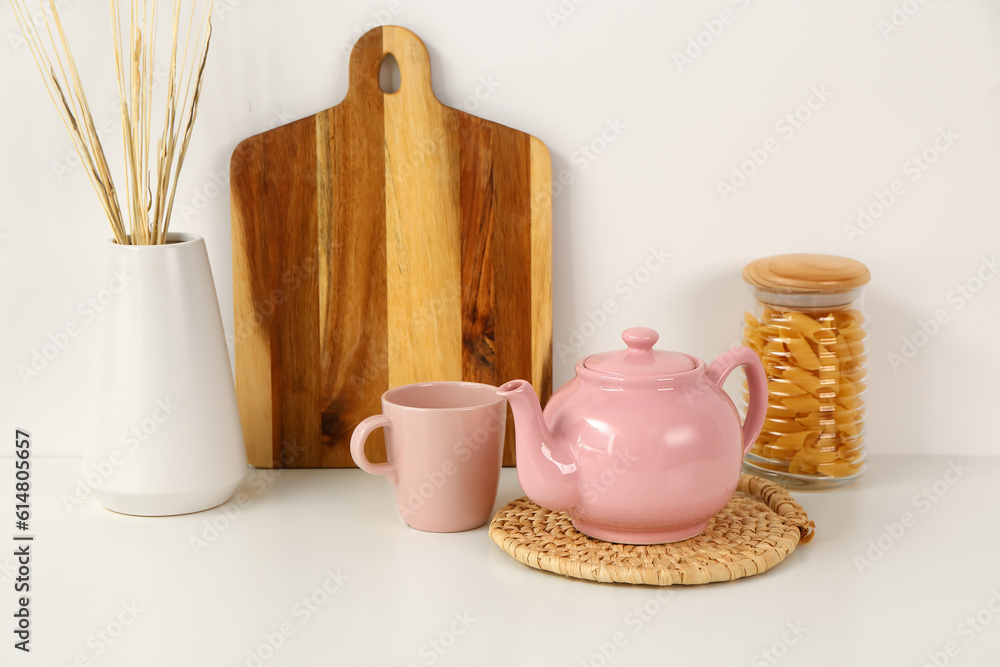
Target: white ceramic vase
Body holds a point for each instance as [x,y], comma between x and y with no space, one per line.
[168,434]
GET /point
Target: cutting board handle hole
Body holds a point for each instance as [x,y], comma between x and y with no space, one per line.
[388,75]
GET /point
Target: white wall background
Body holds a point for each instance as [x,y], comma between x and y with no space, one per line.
[562,71]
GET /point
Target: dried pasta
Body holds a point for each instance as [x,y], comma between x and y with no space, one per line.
[817,370]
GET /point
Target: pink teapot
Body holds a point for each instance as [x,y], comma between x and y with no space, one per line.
[641,447]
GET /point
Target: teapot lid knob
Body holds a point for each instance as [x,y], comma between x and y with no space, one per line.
[640,359]
[640,338]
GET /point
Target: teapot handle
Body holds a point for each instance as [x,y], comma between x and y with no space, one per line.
[719,369]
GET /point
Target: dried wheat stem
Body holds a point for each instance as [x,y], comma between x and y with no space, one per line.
[65,108]
[93,143]
[192,109]
[149,211]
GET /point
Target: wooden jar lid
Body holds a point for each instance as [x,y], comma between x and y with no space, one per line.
[806,274]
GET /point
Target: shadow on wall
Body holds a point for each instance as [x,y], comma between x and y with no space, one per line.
[906,353]
[715,307]
[910,351]
[564,268]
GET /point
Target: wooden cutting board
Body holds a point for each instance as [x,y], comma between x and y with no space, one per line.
[388,240]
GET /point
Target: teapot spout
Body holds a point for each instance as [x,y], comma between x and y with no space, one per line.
[546,465]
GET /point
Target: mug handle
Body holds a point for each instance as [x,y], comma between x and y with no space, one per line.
[358,439]
[756,383]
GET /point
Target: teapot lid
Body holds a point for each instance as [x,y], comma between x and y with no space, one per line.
[640,358]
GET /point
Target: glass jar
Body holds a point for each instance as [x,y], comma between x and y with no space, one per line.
[805,318]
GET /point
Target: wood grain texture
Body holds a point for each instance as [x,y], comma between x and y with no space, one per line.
[295,352]
[422,231]
[476,206]
[251,277]
[353,305]
[541,271]
[388,240]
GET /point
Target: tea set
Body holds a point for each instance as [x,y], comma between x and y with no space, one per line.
[642,446]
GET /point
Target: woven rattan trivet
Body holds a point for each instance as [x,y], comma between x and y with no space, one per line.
[759,527]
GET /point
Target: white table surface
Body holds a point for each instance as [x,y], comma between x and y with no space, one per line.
[116,590]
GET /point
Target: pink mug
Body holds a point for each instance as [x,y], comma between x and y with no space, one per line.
[444,444]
